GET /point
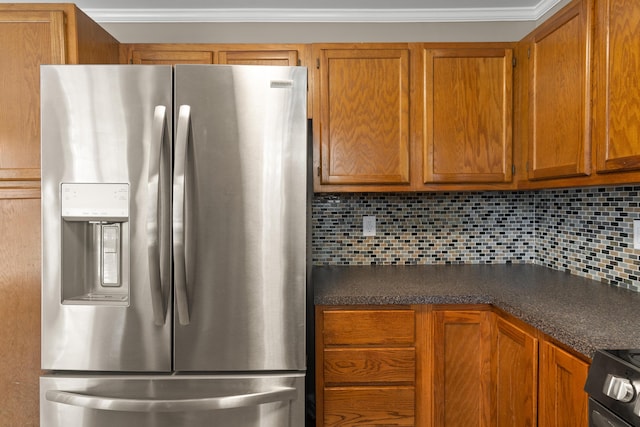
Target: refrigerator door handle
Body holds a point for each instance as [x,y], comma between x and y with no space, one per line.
[281,394]
[153,239]
[179,168]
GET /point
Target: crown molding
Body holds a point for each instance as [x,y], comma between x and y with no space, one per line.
[106,15]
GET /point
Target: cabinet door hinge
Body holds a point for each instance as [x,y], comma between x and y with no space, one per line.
[318,63]
[299,62]
[513,169]
[529,53]
[514,62]
[319,171]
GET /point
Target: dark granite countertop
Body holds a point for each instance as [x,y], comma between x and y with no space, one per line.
[583,314]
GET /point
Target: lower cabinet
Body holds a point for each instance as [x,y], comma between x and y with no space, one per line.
[366,366]
[442,366]
[461,367]
[515,359]
[563,402]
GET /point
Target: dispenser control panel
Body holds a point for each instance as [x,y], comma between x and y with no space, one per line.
[95,202]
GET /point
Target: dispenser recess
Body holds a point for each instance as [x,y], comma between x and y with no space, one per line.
[95,243]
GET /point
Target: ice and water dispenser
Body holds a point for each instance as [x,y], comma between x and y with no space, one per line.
[95,243]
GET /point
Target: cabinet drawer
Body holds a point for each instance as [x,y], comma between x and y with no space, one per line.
[369,327]
[369,406]
[369,365]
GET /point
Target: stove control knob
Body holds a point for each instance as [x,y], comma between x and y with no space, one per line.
[618,388]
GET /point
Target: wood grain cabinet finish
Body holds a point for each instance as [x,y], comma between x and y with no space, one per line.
[35,34]
[366,366]
[515,357]
[151,56]
[29,38]
[173,53]
[467,115]
[563,402]
[462,384]
[559,59]
[32,35]
[617,85]
[442,366]
[361,103]
[259,57]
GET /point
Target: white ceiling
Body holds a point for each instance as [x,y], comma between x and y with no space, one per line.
[312,11]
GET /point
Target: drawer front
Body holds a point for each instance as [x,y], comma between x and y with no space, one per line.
[369,406]
[369,365]
[369,327]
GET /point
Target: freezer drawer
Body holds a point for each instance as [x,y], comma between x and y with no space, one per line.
[270,400]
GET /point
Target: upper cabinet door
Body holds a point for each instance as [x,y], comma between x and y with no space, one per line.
[468,115]
[362,106]
[559,95]
[617,93]
[29,38]
[171,57]
[258,57]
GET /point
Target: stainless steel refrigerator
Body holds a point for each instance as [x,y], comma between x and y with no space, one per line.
[174,221]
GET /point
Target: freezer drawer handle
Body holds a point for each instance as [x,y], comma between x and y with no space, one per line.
[155,153]
[282,394]
[180,277]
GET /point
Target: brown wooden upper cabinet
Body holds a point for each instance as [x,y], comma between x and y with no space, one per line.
[35,34]
[467,115]
[362,126]
[239,54]
[617,88]
[170,57]
[559,95]
[259,57]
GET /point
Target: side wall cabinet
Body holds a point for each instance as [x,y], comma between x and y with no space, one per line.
[31,34]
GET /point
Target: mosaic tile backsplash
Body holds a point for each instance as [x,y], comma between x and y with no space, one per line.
[587,231]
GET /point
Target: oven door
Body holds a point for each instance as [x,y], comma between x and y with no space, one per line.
[599,416]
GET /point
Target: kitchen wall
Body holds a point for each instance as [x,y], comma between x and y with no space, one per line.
[587,232]
[317,32]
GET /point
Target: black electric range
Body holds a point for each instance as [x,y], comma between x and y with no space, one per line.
[613,385]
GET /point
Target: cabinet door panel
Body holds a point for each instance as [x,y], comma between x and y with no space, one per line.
[369,327]
[559,93]
[617,129]
[369,406]
[369,365]
[563,402]
[165,57]
[515,356]
[20,308]
[462,369]
[259,57]
[468,115]
[364,116]
[29,38]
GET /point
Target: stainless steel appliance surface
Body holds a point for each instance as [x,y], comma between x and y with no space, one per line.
[174,218]
[613,384]
[171,401]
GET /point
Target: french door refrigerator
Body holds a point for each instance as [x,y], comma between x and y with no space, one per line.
[174,218]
